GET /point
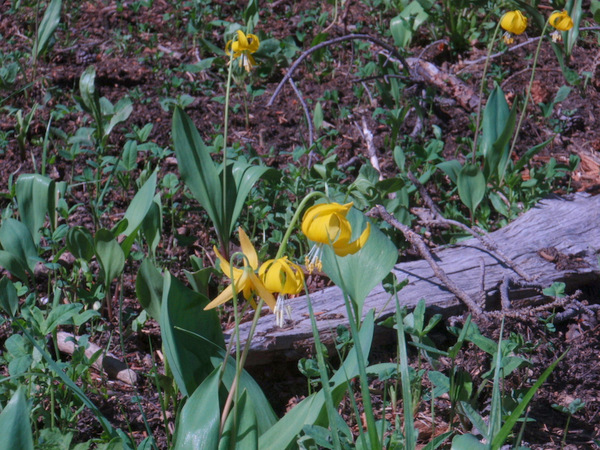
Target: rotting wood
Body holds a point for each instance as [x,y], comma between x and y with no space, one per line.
[114,368]
[570,225]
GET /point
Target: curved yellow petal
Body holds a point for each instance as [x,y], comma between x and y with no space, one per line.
[261,290]
[253,43]
[282,276]
[223,297]
[248,249]
[342,249]
[242,41]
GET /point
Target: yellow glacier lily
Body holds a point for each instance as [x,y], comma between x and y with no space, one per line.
[283,276]
[326,224]
[513,22]
[562,22]
[244,280]
[242,48]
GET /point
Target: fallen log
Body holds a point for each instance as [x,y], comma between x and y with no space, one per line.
[114,368]
[556,241]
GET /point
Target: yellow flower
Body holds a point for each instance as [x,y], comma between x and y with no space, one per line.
[245,280]
[242,48]
[326,224]
[513,22]
[562,22]
[283,276]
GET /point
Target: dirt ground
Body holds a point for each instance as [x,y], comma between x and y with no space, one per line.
[127,59]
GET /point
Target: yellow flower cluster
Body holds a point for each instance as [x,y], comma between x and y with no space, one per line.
[515,23]
[324,224]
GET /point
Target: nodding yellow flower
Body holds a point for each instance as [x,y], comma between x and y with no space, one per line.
[245,280]
[283,276]
[562,22]
[242,48]
[513,22]
[326,224]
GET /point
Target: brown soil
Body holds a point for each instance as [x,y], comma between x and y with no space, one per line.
[130,59]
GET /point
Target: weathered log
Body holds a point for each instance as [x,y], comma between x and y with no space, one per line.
[114,368]
[556,241]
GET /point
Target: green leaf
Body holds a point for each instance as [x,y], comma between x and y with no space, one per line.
[246,434]
[139,206]
[471,186]
[90,98]
[36,197]
[467,442]
[80,243]
[495,115]
[60,315]
[9,301]
[121,112]
[47,27]
[359,273]
[20,351]
[149,288]
[200,418]
[109,254]
[152,224]
[500,438]
[183,310]
[19,254]
[15,428]
[451,169]
[198,170]
[311,410]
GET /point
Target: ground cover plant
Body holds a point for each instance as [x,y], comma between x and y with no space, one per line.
[173,169]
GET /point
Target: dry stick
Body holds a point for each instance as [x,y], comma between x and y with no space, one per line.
[348,37]
[311,129]
[476,232]
[367,135]
[513,48]
[416,240]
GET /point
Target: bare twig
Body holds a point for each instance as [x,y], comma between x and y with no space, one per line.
[337,40]
[476,232]
[417,241]
[367,135]
[311,129]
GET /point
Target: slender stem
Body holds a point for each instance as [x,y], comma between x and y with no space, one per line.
[225,131]
[485,69]
[292,224]
[527,95]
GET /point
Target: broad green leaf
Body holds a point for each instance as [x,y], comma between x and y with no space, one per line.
[15,428]
[121,112]
[197,169]
[200,418]
[183,310]
[60,315]
[21,355]
[109,254]
[139,206]
[359,273]
[9,302]
[311,410]
[149,288]
[524,160]
[246,434]
[17,242]
[90,98]
[467,442]
[47,27]
[471,186]
[36,197]
[451,169]
[245,176]
[495,115]
[80,243]
[152,225]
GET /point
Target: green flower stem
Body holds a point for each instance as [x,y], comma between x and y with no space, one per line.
[485,69]
[527,95]
[292,224]
[225,131]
